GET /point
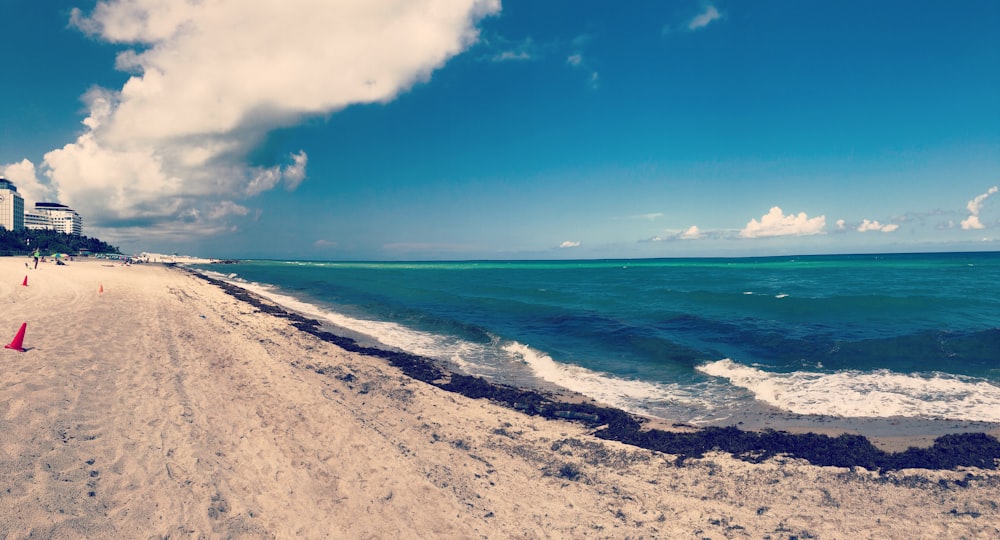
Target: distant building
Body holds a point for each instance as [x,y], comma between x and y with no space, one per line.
[11,206]
[54,216]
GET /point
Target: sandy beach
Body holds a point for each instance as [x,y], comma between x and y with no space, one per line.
[150,403]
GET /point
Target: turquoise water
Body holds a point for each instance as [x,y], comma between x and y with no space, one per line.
[694,339]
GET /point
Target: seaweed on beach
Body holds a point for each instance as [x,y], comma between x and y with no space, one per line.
[948,452]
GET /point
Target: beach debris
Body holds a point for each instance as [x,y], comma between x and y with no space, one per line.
[576,415]
[569,471]
[25,282]
[18,341]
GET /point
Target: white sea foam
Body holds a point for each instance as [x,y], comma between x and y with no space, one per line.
[867,394]
[634,396]
[386,333]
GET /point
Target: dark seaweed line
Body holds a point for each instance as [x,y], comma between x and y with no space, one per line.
[948,452]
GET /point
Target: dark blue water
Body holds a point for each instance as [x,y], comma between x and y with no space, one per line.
[863,335]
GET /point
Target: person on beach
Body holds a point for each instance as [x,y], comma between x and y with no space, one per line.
[36,255]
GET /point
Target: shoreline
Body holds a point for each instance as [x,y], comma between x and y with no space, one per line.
[150,404]
[874,443]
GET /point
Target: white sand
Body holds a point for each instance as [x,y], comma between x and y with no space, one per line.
[163,407]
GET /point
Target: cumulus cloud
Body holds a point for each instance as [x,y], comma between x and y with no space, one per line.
[867,226]
[29,186]
[704,18]
[294,174]
[211,78]
[972,222]
[291,175]
[569,244]
[776,223]
[692,233]
[975,206]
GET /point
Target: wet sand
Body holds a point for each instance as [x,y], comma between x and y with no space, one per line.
[165,407]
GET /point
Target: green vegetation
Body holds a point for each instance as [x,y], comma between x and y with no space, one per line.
[25,241]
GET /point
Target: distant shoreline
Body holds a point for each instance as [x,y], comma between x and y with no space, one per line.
[186,259]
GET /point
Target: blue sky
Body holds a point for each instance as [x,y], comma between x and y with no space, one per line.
[475,129]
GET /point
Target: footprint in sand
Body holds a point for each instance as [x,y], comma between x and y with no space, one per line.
[14,408]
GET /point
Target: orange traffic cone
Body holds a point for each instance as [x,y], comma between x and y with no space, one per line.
[18,340]
[101,289]
[25,282]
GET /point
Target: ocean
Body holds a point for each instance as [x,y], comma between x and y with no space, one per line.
[690,340]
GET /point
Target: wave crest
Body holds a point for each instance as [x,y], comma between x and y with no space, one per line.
[880,393]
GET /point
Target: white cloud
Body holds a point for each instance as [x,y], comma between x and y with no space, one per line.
[692,233]
[295,173]
[841,224]
[867,226]
[576,60]
[25,177]
[972,222]
[975,206]
[226,208]
[506,56]
[512,51]
[648,217]
[704,18]
[292,175]
[569,244]
[776,223]
[212,77]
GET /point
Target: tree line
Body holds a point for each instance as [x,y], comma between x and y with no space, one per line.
[26,241]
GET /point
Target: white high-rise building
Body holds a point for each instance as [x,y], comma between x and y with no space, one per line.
[11,206]
[54,216]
